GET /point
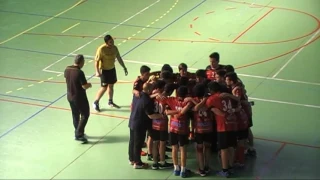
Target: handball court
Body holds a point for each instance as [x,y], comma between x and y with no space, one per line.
[274,44]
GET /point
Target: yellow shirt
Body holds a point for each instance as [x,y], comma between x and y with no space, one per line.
[106,56]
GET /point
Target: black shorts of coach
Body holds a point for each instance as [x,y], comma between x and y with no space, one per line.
[108,77]
[227,139]
[159,135]
[179,139]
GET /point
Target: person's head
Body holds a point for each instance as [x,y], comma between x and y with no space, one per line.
[214,87]
[79,60]
[168,89]
[182,91]
[166,67]
[166,76]
[231,78]
[147,88]
[201,75]
[109,40]
[183,69]
[159,86]
[229,68]
[220,76]
[144,73]
[214,59]
[199,90]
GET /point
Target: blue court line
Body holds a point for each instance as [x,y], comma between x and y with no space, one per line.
[93,74]
[20,97]
[84,20]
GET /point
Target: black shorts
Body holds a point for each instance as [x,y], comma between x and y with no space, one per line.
[243,134]
[227,139]
[201,138]
[159,135]
[108,77]
[180,139]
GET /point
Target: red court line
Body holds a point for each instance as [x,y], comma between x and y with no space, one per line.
[210,12]
[190,25]
[252,25]
[61,108]
[273,158]
[122,117]
[230,8]
[48,81]
[197,33]
[195,18]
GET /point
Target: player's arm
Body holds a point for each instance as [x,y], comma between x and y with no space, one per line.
[83,81]
[135,90]
[217,111]
[201,105]
[97,61]
[186,108]
[121,62]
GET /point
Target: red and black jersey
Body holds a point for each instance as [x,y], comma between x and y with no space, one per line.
[211,72]
[160,124]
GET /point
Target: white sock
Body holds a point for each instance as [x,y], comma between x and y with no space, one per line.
[176,167]
[183,169]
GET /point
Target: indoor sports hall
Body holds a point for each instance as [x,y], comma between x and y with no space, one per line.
[273,45]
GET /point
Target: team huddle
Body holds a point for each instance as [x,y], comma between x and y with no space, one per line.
[209,107]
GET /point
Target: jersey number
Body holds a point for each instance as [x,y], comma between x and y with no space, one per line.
[202,114]
[227,106]
[158,108]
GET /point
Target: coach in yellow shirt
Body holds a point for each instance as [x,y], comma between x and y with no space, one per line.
[105,69]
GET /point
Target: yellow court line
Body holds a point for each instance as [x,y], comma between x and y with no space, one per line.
[13,37]
[70,28]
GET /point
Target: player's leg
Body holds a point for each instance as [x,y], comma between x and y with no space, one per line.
[183,142]
[112,79]
[223,146]
[207,152]
[174,144]
[200,153]
[156,138]
[231,144]
[84,110]
[102,90]
[162,151]
[242,137]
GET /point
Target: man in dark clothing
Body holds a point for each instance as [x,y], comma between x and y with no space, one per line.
[141,115]
[77,97]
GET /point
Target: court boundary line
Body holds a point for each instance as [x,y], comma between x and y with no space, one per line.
[293,56]
[252,25]
[36,113]
[127,118]
[77,19]
[39,24]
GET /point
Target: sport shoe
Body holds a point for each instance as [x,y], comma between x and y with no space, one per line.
[96,106]
[81,138]
[165,165]
[150,157]
[141,165]
[155,166]
[223,174]
[111,104]
[131,163]
[202,173]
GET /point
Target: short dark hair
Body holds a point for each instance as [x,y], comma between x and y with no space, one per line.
[159,84]
[229,68]
[232,76]
[199,90]
[79,59]
[182,66]
[169,88]
[107,38]
[144,69]
[166,67]
[182,91]
[166,75]
[215,55]
[201,73]
[214,87]
[221,73]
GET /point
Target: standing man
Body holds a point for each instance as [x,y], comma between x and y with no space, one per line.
[214,66]
[77,96]
[141,115]
[105,69]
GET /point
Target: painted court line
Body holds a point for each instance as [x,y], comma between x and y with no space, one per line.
[284,102]
[70,28]
[27,119]
[42,22]
[77,19]
[295,54]
[252,25]
[19,97]
[81,47]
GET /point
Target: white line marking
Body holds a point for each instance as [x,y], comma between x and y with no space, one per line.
[70,28]
[45,69]
[283,102]
[195,69]
[285,65]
